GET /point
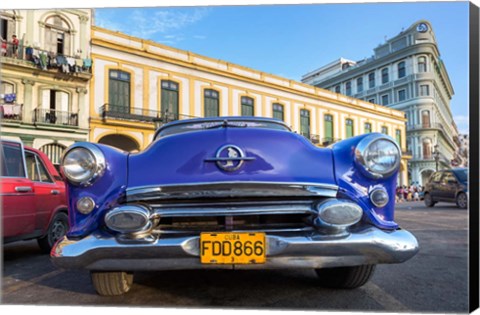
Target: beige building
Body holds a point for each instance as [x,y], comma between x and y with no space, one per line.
[44,77]
[136,81]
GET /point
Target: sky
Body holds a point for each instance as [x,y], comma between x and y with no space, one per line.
[292,40]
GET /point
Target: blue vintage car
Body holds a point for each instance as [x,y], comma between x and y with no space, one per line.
[237,193]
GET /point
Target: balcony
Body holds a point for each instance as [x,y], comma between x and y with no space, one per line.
[139,114]
[11,112]
[44,60]
[55,117]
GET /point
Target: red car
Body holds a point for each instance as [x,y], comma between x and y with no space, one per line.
[34,203]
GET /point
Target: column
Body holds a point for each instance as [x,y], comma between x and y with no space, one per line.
[83,36]
[28,100]
[29,32]
[83,113]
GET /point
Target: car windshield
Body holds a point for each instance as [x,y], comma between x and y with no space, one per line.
[219,123]
[462,175]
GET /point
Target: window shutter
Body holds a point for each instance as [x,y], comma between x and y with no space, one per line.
[11,30]
[66,45]
[46,99]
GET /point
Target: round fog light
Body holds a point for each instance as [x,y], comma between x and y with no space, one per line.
[379,198]
[338,214]
[128,219]
[85,205]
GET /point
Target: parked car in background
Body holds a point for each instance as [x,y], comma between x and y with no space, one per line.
[233,193]
[34,204]
[449,186]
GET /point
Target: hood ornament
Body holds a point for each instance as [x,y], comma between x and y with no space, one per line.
[229,158]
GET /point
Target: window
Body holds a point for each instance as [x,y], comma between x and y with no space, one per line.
[119,91]
[448,178]
[349,128]
[7,27]
[424,90]
[371,80]
[57,35]
[427,149]
[371,100]
[35,168]
[384,75]
[169,99]
[337,89]
[401,69]
[385,99]
[277,110]
[401,95]
[422,64]
[398,137]
[247,106]
[211,103]
[55,108]
[328,125]
[305,123]
[54,152]
[348,88]
[425,119]
[12,160]
[385,130]
[359,85]
[367,127]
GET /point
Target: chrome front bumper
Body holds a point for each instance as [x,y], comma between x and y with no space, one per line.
[369,246]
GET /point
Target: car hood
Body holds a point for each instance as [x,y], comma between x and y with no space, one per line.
[271,156]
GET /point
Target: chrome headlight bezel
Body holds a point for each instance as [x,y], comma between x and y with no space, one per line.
[361,152]
[99,160]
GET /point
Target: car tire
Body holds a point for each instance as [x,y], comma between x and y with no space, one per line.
[428,200]
[56,230]
[345,277]
[111,283]
[462,200]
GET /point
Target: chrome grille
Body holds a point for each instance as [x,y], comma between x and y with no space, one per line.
[262,216]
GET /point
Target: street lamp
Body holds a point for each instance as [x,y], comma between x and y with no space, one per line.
[436,156]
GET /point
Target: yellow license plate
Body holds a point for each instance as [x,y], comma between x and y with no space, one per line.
[232,248]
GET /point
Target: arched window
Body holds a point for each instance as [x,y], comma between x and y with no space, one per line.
[57,35]
[422,64]
[401,69]
[211,103]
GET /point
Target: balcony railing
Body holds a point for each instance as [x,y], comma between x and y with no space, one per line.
[11,112]
[140,114]
[46,60]
[55,117]
[329,140]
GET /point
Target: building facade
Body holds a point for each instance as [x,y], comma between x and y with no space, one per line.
[45,73]
[137,82]
[405,73]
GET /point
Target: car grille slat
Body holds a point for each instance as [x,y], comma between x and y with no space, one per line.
[206,216]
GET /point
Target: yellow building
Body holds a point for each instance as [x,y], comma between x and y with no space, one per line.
[136,81]
[44,77]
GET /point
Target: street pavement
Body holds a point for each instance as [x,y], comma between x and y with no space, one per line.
[435,280]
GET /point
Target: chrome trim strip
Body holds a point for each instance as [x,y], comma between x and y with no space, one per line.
[232,210]
[230,189]
[367,246]
[270,230]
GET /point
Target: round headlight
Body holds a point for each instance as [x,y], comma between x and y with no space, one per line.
[379,155]
[83,164]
